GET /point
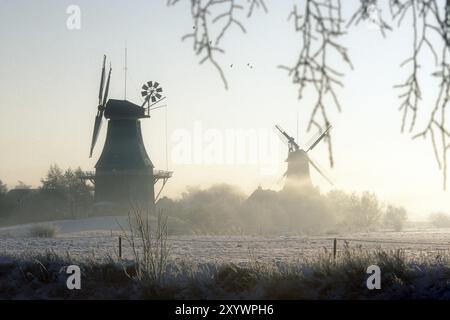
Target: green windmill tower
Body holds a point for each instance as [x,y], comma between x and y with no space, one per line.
[124,174]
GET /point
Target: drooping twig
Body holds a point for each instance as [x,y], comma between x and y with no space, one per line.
[436,125]
[428,20]
[320,26]
[369,10]
[212,20]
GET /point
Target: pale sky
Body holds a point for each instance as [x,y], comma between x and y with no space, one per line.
[49,79]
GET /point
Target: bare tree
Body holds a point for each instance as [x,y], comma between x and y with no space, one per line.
[321,25]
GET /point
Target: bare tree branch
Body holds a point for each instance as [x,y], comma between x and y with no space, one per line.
[428,19]
[320,26]
[369,10]
[212,20]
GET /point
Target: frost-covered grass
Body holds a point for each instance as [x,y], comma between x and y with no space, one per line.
[211,266]
[41,276]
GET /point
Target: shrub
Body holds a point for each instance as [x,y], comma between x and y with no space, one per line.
[43,230]
[395,218]
[355,212]
[149,244]
[440,220]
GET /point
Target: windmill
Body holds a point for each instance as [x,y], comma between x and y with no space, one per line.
[124,173]
[298,174]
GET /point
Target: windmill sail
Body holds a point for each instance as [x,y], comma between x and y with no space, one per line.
[101,106]
[290,140]
[319,138]
[320,170]
[102,81]
[105,98]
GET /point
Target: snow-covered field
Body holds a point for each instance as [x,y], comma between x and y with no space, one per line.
[98,237]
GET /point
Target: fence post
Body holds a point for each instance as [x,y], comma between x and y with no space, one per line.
[120,247]
[334,248]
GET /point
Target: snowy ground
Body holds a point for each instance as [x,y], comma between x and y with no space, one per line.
[98,237]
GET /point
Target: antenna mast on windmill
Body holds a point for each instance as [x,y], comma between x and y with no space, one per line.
[125,69]
[298,174]
[124,173]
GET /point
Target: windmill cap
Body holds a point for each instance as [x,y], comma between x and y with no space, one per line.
[123,109]
[297,155]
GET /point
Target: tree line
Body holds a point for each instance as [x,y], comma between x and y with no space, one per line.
[223,209]
[63,194]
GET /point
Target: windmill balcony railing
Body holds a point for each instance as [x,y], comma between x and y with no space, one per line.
[162,174]
[159,174]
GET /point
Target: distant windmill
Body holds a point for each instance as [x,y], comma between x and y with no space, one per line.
[297,174]
[124,172]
